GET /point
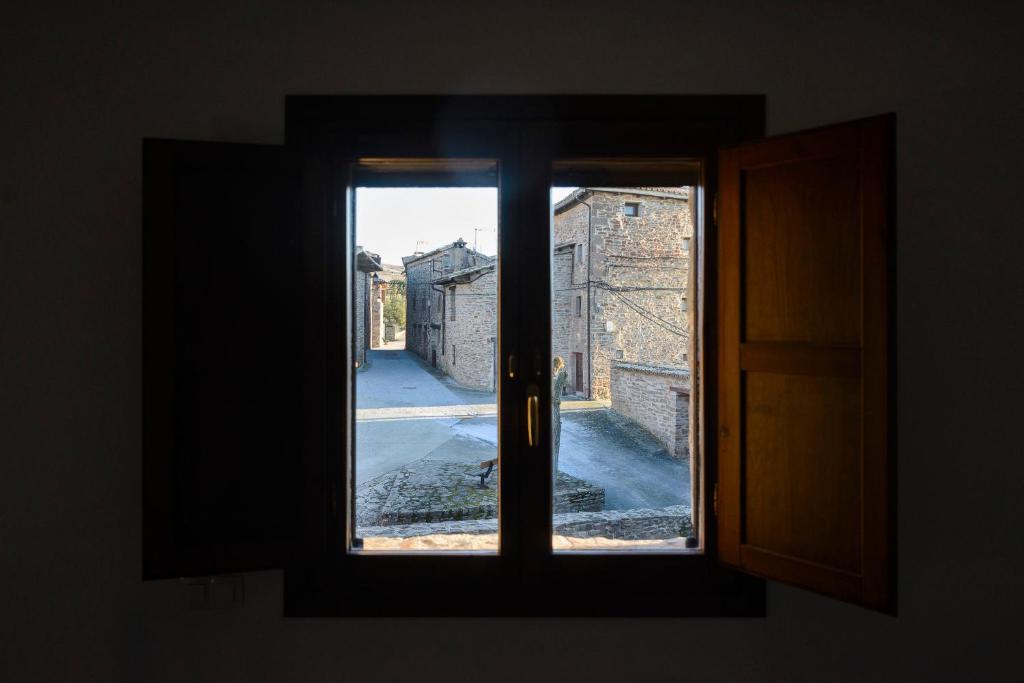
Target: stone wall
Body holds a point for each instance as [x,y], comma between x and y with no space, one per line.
[636,293]
[569,282]
[657,398]
[470,335]
[424,300]
[360,290]
[561,322]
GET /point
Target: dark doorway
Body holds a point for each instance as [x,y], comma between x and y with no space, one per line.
[578,375]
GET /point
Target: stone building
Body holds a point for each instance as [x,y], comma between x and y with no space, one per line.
[620,294]
[620,298]
[433,280]
[470,326]
[367,304]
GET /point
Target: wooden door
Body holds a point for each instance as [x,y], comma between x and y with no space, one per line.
[805,379]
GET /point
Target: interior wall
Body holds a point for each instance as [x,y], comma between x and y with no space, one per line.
[82,83]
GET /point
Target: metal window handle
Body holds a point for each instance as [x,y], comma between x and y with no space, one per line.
[532,416]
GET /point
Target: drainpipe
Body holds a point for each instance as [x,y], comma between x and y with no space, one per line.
[590,240]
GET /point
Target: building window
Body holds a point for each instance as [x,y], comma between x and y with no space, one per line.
[631,209]
[579,306]
[453,354]
[686,244]
[579,253]
[684,306]
[451,303]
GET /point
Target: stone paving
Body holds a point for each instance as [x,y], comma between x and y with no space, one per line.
[437,491]
[642,524]
[420,439]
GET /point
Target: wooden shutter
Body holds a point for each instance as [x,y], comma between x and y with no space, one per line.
[221,338]
[806,476]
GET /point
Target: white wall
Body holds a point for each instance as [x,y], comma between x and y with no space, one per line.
[81,84]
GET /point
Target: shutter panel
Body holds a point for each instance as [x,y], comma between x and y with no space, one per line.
[806,384]
[221,340]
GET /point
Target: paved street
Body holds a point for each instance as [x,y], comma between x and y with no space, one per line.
[407,411]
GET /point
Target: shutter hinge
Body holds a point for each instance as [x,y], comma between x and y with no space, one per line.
[714,500]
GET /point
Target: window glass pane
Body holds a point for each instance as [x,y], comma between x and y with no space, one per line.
[426,439]
[621,335]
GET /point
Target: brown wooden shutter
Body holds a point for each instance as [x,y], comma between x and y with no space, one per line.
[805,433]
[222,335]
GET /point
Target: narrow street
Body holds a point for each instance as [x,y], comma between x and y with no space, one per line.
[407,412]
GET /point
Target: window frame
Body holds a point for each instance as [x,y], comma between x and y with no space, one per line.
[321,577]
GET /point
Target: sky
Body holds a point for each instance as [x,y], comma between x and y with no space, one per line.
[395,222]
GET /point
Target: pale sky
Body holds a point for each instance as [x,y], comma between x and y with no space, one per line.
[390,221]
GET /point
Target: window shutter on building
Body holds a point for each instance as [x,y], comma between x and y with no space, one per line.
[222,335]
[806,383]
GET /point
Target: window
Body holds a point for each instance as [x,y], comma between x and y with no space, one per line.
[683,305]
[800,343]
[451,301]
[579,253]
[453,354]
[686,244]
[631,209]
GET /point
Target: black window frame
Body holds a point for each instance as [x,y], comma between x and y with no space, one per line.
[631,205]
[525,134]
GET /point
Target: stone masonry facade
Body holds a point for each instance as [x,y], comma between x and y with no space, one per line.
[658,399]
[364,295]
[453,275]
[470,327]
[620,305]
[621,271]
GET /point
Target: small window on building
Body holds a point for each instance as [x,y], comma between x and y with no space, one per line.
[686,244]
[619,354]
[579,306]
[684,306]
[631,209]
[453,354]
[579,253]
[451,304]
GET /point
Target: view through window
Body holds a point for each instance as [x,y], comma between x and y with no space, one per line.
[426,426]
[621,334]
[425,336]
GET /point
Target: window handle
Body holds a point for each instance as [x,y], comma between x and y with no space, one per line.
[532,416]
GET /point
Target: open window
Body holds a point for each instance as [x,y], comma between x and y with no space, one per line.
[772,403]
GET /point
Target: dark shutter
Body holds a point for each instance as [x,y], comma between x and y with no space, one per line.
[222,334]
[806,386]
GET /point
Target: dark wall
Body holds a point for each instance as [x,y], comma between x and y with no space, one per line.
[82,83]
